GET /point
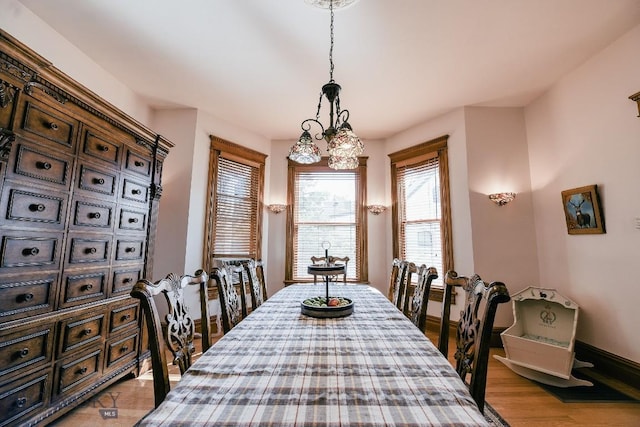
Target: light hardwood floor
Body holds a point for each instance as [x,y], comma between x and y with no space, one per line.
[521,402]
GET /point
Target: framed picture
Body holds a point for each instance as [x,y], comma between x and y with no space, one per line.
[582,210]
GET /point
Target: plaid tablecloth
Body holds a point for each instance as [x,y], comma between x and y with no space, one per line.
[281,368]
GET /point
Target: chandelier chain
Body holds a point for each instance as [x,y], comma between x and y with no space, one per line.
[331,46]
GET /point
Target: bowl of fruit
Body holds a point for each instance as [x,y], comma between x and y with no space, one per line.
[324,307]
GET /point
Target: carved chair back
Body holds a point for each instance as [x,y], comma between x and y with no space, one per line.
[231,304]
[178,333]
[473,335]
[254,273]
[417,307]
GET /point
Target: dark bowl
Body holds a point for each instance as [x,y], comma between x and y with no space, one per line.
[327,312]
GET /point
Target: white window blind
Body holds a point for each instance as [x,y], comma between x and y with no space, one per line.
[236,210]
[325,210]
[420,214]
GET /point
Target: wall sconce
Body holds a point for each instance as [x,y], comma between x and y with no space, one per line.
[376,209]
[276,209]
[636,97]
[502,199]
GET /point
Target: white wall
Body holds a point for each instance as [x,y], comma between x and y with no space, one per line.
[586,131]
[28,28]
[503,237]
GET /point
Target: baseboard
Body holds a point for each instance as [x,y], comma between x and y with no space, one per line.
[624,370]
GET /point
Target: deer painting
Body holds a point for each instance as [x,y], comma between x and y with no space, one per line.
[583,219]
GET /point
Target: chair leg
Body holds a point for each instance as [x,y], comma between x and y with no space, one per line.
[315,282]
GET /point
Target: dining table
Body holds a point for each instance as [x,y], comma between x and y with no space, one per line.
[279,367]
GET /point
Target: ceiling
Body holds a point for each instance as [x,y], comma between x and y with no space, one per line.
[260,64]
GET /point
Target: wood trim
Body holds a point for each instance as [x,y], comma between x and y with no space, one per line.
[624,370]
[418,153]
[361,215]
[222,148]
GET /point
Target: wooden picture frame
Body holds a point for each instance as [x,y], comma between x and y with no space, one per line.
[582,210]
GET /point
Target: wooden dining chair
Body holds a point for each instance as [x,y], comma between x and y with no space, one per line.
[254,277]
[178,333]
[417,307]
[231,304]
[473,334]
[262,278]
[398,273]
[332,260]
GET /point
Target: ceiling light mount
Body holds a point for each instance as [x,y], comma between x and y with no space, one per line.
[343,144]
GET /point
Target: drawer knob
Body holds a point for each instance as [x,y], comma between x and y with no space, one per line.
[125,317]
[43,165]
[87,287]
[98,181]
[36,207]
[127,280]
[21,401]
[82,370]
[95,215]
[138,163]
[53,126]
[136,191]
[30,251]
[86,331]
[91,250]
[23,353]
[124,349]
[103,148]
[130,249]
[26,297]
[133,220]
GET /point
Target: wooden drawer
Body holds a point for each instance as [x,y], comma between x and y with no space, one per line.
[97,146]
[45,124]
[25,348]
[124,316]
[41,165]
[91,214]
[96,182]
[130,250]
[134,191]
[124,279]
[76,372]
[80,331]
[21,298]
[30,250]
[88,249]
[120,349]
[25,207]
[138,163]
[130,220]
[20,398]
[83,287]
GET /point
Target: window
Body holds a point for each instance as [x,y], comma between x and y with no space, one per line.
[421,214]
[234,220]
[327,206]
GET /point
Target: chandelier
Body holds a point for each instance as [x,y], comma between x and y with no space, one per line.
[343,144]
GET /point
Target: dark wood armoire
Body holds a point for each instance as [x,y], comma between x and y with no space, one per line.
[79,193]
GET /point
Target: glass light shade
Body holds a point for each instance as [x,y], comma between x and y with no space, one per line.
[305,151]
[339,162]
[345,143]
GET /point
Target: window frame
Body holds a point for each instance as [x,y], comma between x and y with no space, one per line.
[246,156]
[361,218]
[413,155]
